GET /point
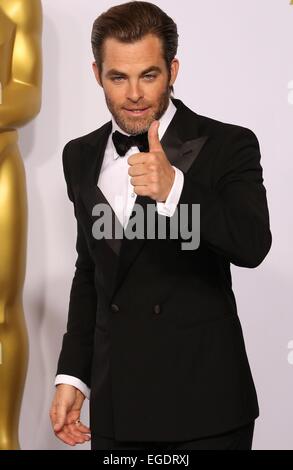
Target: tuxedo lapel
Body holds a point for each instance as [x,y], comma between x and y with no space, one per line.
[91,194]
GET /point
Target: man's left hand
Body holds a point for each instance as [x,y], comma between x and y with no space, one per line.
[151,173]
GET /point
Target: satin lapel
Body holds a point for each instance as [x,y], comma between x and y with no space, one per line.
[182,154]
[90,193]
[130,248]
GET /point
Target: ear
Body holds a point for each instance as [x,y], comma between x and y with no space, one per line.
[174,70]
[96,71]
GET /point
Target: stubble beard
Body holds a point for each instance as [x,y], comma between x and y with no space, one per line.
[139,125]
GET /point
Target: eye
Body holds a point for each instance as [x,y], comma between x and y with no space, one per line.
[150,77]
[117,79]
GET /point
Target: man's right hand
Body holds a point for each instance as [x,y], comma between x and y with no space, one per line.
[65,415]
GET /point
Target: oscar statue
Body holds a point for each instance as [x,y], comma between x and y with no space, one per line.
[20,102]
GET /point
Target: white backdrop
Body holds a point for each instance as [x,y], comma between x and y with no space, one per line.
[236,66]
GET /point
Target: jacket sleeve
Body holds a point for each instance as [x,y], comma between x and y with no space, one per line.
[234,217]
[77,348]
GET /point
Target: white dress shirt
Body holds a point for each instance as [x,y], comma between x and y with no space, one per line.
[121,197]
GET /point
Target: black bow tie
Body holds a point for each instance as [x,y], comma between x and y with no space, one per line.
[124,142]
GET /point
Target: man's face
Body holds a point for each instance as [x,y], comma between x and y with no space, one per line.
[136,82]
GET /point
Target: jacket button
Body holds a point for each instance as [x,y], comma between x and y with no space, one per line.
[114,308]
[157,309]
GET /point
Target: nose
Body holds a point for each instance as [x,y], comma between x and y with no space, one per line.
[134,92]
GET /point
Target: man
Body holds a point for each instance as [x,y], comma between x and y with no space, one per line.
[153,336]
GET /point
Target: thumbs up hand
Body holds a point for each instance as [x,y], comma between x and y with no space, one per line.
[151,173]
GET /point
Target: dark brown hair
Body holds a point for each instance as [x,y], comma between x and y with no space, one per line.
[130,22]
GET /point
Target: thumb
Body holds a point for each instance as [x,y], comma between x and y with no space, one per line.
[153,137]
[60,418]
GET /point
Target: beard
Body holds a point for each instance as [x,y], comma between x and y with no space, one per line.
[139,125]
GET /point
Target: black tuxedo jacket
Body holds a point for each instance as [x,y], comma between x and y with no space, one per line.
[152,329]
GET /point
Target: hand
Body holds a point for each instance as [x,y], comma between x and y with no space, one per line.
[64,413]
[152,174]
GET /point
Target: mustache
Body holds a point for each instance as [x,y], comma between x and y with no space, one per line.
[136,106]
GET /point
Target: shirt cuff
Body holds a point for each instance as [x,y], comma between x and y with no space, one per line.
[168,207]
[77,383]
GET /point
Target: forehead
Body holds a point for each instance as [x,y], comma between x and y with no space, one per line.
[139,55]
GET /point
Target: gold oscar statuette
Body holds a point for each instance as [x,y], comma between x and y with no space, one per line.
[20,102]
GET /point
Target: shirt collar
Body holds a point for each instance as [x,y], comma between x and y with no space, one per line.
[164,124]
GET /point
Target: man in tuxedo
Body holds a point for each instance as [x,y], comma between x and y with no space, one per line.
[153,336]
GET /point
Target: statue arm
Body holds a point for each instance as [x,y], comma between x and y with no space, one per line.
[21,97]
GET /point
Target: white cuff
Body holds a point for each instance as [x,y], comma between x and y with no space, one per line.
[77,383]
[168,207]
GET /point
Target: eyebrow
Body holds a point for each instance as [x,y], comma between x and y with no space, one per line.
[153,68]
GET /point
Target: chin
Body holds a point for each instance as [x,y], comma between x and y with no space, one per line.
[136,126]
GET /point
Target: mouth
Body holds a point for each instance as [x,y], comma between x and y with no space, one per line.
[136,111]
